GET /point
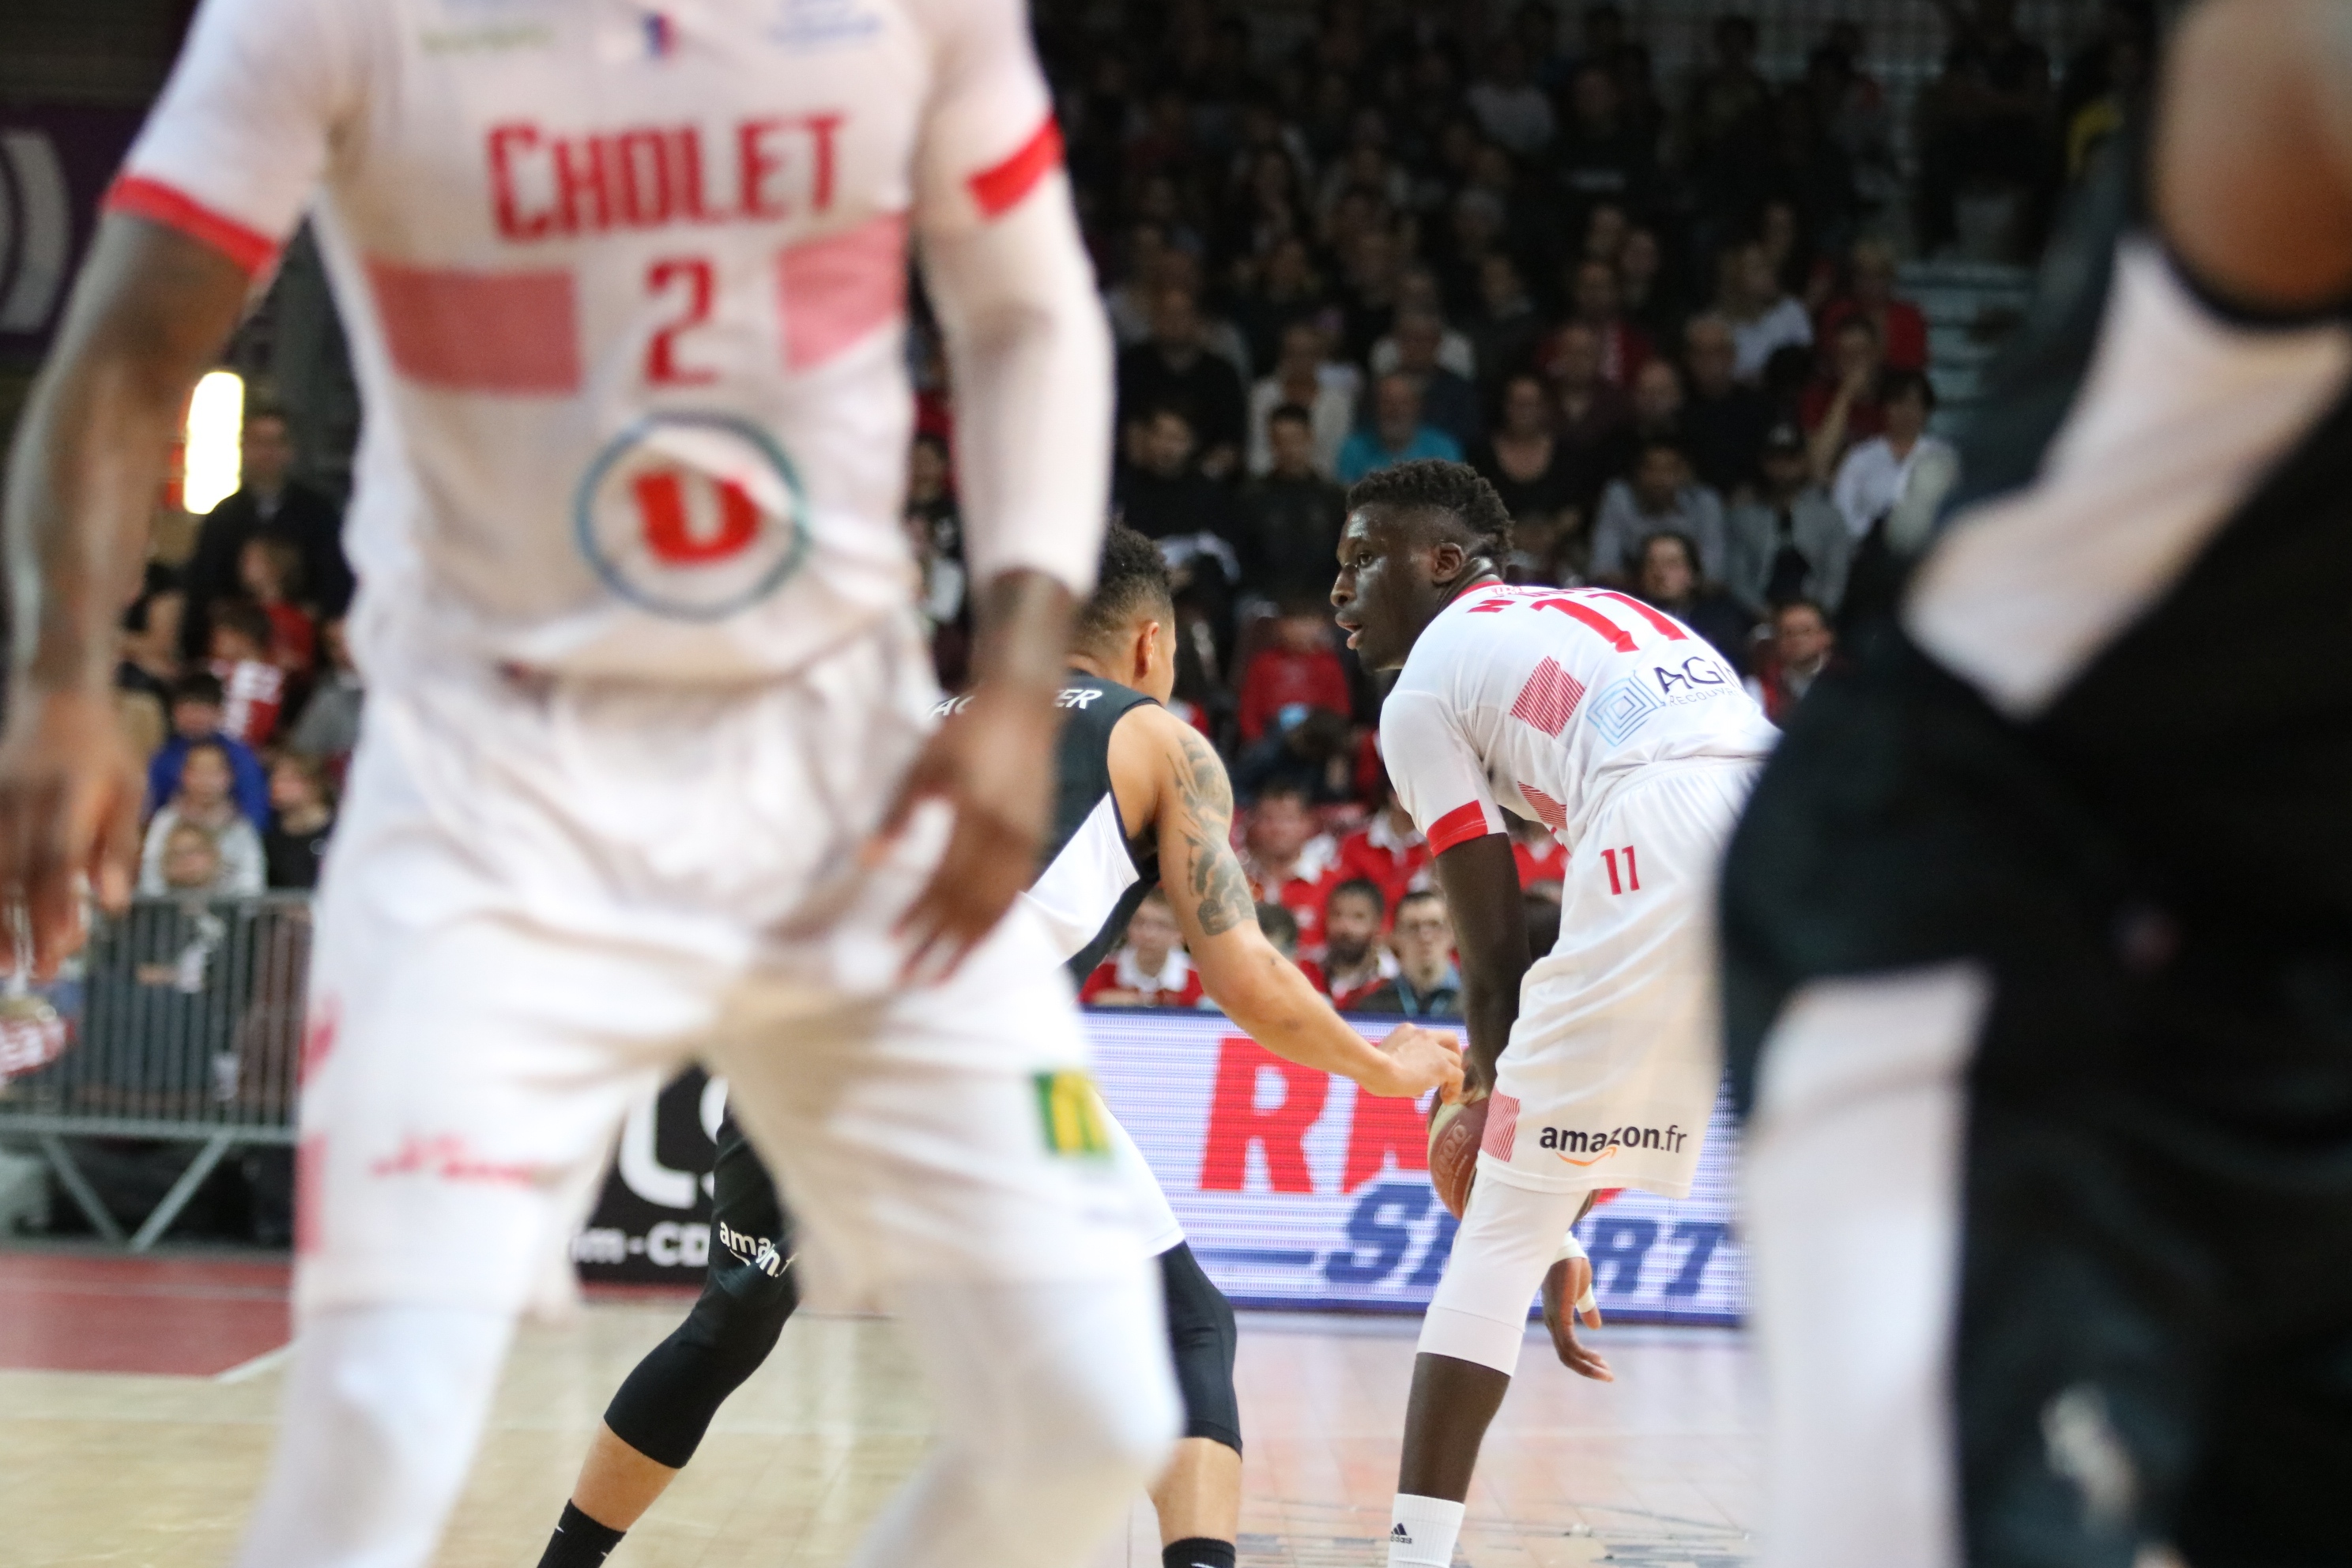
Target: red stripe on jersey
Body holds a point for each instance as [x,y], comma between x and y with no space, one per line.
[1548,700]
[999,190]
[1618,637]
[1459,825]
[513,332]
[1673,632]
[251,249]
[1502,1126]
[1548,812]
[838,290]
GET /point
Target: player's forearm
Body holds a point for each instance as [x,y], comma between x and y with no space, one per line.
[1029,354]
[1279,1008]
[150,312]
[1489,1011]
[1021,624]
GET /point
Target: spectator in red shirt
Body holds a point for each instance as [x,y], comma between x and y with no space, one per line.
[270,569]
[1804,645]
[1354,963]
[1149,968]
[252,688]
[1847,407]
[1300,670]
[1290,862]
[1388,851]
[1870,296]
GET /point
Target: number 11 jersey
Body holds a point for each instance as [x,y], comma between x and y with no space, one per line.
[1536,700]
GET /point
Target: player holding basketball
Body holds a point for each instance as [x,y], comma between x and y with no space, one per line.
[1619,730]
[2038,930]
[1122,758]
[649,769]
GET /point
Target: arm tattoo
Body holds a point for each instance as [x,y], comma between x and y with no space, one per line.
[1220,894]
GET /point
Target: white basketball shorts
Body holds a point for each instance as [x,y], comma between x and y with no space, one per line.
[1613,1065]
[545,896]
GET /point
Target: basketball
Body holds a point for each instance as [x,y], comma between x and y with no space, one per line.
[1454,1133]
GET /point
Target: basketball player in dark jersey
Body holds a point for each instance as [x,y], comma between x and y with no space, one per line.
[1122,758]
[2038,926]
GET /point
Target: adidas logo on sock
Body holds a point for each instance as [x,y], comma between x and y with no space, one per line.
[1400,1533]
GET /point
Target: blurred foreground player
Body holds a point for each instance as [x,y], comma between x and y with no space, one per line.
[2039,928]
[1619,729]
[649,768]
[1122,758]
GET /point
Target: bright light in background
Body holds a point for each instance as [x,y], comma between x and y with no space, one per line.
[216,428]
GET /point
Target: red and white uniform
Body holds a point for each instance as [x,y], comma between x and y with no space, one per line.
[624,286]
[626,289]
[1626,734]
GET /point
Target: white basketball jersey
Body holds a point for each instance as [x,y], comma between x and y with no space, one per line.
[625,288]
[1532,699]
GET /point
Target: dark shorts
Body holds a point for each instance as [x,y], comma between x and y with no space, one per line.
[2143,1330]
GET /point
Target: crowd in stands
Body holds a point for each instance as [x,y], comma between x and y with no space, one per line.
[1658,310]
[236,681]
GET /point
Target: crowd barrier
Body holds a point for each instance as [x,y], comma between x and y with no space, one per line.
[1294,1190]
[184,1024]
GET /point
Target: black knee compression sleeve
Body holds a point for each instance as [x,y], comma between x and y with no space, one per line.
[1201,1332]
[666,1406]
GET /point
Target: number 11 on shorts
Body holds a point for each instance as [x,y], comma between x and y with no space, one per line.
[1633,882]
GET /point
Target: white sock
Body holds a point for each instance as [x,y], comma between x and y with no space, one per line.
[1422,1531]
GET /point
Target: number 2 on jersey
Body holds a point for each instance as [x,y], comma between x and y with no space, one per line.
[1632,880]
[690,276]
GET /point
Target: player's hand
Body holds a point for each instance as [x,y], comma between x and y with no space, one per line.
[993,765]
[1567,1287]
[1416,1061]
[71,792]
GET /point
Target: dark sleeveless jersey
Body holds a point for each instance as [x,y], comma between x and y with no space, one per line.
[2120,668]
[1091,873]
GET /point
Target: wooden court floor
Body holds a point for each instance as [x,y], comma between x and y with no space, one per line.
[127,1465]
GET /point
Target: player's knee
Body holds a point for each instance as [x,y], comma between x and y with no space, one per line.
[1201,1334]
[734,1335]
[665,1407]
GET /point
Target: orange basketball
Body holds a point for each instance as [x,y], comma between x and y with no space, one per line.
[1454,1133]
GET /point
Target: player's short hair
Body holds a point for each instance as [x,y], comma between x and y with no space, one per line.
[1455,489]
[199,686]
[1361,888]
[1132,579]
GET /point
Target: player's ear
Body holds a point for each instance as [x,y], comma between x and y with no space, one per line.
[1446,560]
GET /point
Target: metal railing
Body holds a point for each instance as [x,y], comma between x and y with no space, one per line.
[187,1018]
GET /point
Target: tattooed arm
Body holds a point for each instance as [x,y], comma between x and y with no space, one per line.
[1167,776]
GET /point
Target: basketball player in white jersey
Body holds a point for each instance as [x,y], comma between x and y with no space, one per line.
[1620,729]
[649,770]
